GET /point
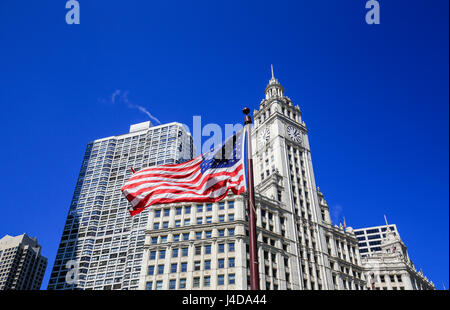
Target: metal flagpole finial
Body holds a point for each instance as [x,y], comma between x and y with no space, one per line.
[271,68]
[247,119]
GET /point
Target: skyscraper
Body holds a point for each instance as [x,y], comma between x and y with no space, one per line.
[22,266]
[322,256]
[102,246]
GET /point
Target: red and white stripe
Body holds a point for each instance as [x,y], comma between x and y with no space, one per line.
[182,183]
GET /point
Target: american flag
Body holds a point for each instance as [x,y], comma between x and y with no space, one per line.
[206,178]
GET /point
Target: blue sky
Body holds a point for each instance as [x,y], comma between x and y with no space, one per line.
[374,98]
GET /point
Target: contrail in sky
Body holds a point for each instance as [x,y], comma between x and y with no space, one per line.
[119,96]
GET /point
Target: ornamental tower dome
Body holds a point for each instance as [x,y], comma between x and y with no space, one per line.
[274,88]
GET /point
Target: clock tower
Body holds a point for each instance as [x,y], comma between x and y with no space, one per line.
[283,172]
[281,150]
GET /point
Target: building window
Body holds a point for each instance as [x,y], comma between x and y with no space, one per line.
[184,251]
[152,255]
[174,252]
[207,281]
[172,284]
[231,247]
[151,270]
[160,269]
[197,265]
[220,279]
[162,254]
[221,263]
[207,265]
[182,283]
[231,262]
[159,285]
[221,248]
[196,282]
[149,285]
[173,268]
[231,278]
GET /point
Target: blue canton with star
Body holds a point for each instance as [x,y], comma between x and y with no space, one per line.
[227,156]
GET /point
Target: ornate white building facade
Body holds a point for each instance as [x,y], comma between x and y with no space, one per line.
[389,266]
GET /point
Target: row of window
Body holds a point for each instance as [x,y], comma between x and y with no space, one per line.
[183,266]
[187,222]
[198,235]
[184,251]
[187,209]
[181,283]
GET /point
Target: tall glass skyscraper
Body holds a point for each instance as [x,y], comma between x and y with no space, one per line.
[102,246]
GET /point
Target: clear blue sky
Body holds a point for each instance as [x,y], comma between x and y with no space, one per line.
[375,99]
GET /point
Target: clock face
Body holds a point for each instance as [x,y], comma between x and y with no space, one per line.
[294,134]
[264,136]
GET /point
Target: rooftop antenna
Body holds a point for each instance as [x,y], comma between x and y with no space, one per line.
[385,219]
[271,68]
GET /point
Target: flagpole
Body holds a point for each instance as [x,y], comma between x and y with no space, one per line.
[254,272]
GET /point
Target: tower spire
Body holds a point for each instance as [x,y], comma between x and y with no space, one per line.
[273,89]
